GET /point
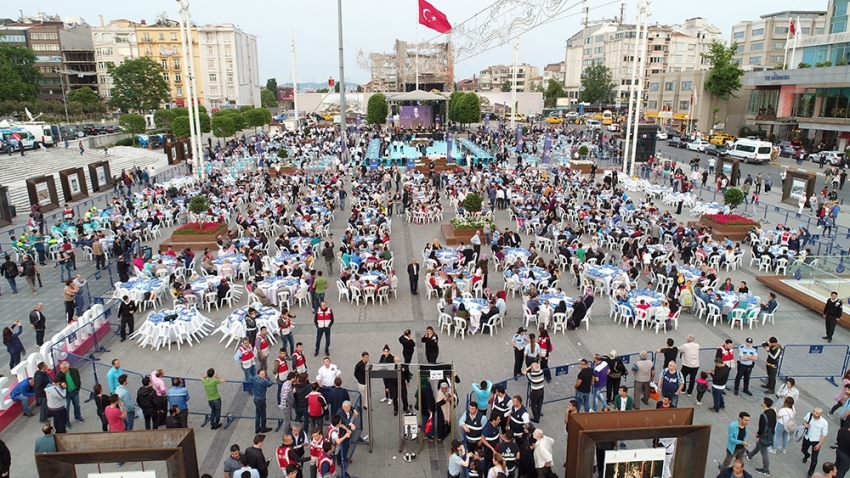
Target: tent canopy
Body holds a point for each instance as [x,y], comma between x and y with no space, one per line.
[417,95]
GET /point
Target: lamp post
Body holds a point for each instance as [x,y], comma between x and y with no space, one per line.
[342,107]
[64,99]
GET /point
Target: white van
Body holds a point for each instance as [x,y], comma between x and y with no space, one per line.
[751,151]
[40,131]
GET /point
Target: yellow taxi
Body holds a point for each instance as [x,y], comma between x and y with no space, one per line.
[720,139]
[554,119]
[328,116]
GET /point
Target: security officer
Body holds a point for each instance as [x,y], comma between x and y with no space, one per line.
[472,422]
[519,342]
[747,356]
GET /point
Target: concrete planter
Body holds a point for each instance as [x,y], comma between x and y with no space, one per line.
[719,231]
[195,242]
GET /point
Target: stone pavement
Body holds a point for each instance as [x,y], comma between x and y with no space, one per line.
[475,358]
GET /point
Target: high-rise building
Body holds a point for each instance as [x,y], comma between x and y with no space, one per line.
[229,73]
[113,44]
[494,77]
[761,44]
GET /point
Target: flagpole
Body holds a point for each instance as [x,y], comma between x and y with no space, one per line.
[417,55]
[796,34]
[294,84]
[787,40]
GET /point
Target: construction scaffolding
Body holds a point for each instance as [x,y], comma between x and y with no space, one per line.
[397,71]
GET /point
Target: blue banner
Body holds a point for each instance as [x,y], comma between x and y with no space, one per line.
[411,163]
[487,122]
[373,163]
[437,119]
[449,143]
[357,122]
[580,109]
[547,146]
[518,138]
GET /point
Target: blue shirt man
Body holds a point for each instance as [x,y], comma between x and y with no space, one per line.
[22,392]
[260,385]
[113,374]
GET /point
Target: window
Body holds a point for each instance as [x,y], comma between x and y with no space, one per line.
[599,38]
[740,49]
[588,51]
[677,58]
[44,36]
[684,105]
[670,86]
[162,36]
[777,45]
[165,77]
[692,47]
[210,50]
[757,32]
[210,63]
[176,64]
[840,9]
[687,85]
[13,39]
[103,79]
[755,60]
[653,87]
[652,104]
[209,36]
[228,64]
[757,47]
[213,90]
[780,30]
[599,49]
[819,31]
[838,27]
[146,37]
[45,47]
[738,35]
[805,30]
[628,59]
[228,50]
[177,78]
[164,64]
[230,79]
[101,65]
[179,91]
[777,59]
[173,36]
[691,58]
[213,78]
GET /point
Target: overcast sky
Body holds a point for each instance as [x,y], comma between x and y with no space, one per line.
[374,25]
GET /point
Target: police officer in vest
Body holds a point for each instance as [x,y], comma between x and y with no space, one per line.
[472,423]
[502,405]
[286,455]
[747,356]
[519,417]
[490,438]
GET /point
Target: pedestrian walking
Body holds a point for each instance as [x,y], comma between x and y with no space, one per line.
[764,436]
[832,310]
[211,382]
[126,313]
[817,428]
[10,272]
[82,149]
[329,257]
[69,294]
[747,357]
[413,276]
[324,320]
[600,382]
[408,345]
[30,272]
[736,439]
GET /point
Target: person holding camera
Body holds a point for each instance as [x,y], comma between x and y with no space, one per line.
[774,351]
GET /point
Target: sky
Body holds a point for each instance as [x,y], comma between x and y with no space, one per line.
[374,25]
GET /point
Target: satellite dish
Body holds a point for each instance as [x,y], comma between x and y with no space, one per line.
[29,115]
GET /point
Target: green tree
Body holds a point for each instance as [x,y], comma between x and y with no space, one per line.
[205,121]
[268,99]
[85,96]
[257,117]
[138,85]
[469,109]
[724,77]
[179,126]
[452,107]
[177,111]
[553,91]
[733,196]
[18,75]
[222,126]
[597,83]
[164,118]
[245,108]
[534,86]
[377,109]
[133,124]
[271,86]
[506,86]
[322,90]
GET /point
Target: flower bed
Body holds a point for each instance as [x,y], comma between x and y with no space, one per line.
[474,223]
[198,228]
[733,226]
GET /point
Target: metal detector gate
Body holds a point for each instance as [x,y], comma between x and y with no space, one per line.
[382,371]
[438,372]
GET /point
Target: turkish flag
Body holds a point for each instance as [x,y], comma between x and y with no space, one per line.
[792,28]
[433,18]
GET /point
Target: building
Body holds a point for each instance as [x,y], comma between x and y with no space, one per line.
[810,104]
[229,73]
[160,41]
[553,71]
[467,84]
[761,44]
[674,99]
[428,65]
[59,46]
[113,44]
[494,77]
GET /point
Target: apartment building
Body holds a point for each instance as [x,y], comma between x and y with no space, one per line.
[675,98]
[553,71]
[761,43]
[492,78]
[161,41]
[229,71]
[113,44]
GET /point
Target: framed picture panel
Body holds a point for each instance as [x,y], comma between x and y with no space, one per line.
[100,176]
[5,210]
[73,184]
[42,190]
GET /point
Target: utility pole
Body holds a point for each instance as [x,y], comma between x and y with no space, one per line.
[343,124]
[643,39]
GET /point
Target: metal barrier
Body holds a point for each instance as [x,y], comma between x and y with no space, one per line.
[828,361]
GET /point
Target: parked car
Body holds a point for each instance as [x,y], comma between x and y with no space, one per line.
[675,142]
[613,127]
[593,124]
[721,138]
[89,129]
[832,158]
[697,145]
[714,150]
[660,135]
[784,144]
[787,151]
[672,133]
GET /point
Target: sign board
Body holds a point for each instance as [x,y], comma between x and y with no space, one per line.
[666,114]
[125,474]
[562,102]
[48,59]
[436,374]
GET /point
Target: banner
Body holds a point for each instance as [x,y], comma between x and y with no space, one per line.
[547,146]
[449,143]
[487,122]
[373,163]
[411,163]
[437,119]
[519,138]
[357,122]
[641,462]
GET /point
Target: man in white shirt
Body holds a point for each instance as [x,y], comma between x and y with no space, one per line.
[690,362]
[816,430]
[542,453]
[327,373]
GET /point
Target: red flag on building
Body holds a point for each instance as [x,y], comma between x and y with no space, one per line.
[433,18]
[791,27]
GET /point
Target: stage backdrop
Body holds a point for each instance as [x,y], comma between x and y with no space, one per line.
[416,116]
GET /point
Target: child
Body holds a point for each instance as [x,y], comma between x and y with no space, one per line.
[702,386]
[755,199]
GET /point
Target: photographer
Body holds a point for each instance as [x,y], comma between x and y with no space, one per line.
[774,351]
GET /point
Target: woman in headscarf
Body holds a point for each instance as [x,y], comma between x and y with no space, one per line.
[445,401]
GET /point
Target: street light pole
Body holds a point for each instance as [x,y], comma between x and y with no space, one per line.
[343,124]
[64,100]
[186,38]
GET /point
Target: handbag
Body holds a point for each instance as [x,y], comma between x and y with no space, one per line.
[800,431]
[429,425]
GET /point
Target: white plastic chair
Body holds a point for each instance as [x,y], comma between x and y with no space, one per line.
[640,316]
[446,322]
[460,326]
[713,314]
[765,316]
[559,322]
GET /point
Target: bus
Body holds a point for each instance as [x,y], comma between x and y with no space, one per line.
[17,137]
[607,117]
[41,131]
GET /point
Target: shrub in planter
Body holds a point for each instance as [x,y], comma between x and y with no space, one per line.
[733,196]
[472,223]
[124,142]
[731,220]
[282,153]
[472,202]
[198,204]
[582,151]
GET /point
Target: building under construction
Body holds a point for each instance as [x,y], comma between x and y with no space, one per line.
[397,71]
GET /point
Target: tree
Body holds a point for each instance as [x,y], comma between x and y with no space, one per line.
[506,86]
[257,117]
[534,86]
[138,85]
[133,124]
[222,126]
[452,107]
[552,93]
[597,83]
[322,90]
[377,109]
[18,75]
[245,108]
[733,196]
[164,118]
[469,109]
[85,96]
[205,121]
[268,99]
[178,111]
[179,126]
[724,77]
[271,86]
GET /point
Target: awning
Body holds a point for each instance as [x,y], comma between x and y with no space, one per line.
[178,102]
[844,135]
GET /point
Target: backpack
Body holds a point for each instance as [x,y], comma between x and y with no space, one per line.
[766,438]
[10,271]
[29,268]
